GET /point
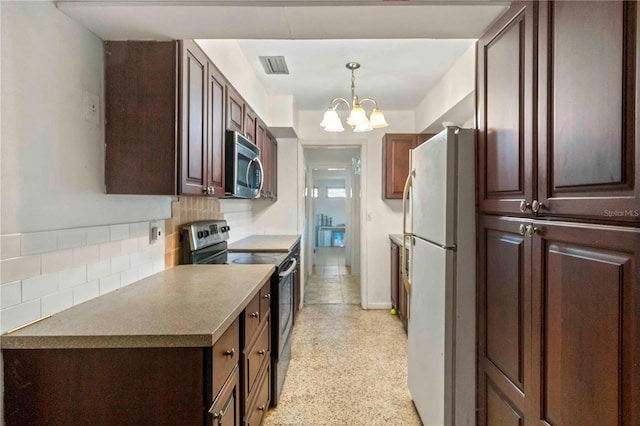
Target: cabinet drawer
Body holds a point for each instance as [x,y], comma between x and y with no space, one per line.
[255,356]
[225,410]
[226,353]
[265,299]
[256,411]
[251,319]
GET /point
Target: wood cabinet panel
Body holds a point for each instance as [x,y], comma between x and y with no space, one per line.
[395,163]
[252,319]
[499,412]
[505,89]
[141,155]
[257,410]
[194,112]
[255,356]
[504,326]
[250,122]
[225,355]
[216,129]
[235,110]
[586,344]
[587,125]
[504,303]
[126,386]
[225,410]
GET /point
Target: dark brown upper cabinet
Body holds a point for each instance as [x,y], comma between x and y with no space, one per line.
[557,111]
[235,110]
[164,119]
[250,123]
[505,117]
[587,103]
[395,161]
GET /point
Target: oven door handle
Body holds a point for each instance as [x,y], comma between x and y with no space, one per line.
[291,268]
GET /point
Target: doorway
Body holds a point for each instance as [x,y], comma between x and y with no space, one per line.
[332,225]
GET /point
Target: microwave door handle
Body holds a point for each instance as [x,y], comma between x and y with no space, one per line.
[261,174]
[257,160]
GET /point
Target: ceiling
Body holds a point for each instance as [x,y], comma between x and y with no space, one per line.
[405,47]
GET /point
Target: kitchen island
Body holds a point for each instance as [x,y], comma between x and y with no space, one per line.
[159,351]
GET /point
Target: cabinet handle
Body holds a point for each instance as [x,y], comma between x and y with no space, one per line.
[211,190]
[536,206]
[261,408]
[262,352]
[254,314]
[531,230]
[205,190]
[230,353]
[267,296]
[522,229]
[524,206]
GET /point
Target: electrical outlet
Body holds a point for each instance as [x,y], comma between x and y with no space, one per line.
[91,107]
[155,232]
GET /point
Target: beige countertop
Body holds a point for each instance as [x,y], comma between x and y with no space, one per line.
[267,243]
[185,306]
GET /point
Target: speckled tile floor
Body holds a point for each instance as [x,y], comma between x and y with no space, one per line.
[348,365]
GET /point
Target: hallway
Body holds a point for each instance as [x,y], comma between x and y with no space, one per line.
[348,365]
[331,281]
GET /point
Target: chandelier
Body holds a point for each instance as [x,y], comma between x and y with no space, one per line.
[358,117]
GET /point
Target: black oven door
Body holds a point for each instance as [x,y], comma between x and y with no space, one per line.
[285,303]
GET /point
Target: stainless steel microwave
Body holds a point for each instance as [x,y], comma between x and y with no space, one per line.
[243,169]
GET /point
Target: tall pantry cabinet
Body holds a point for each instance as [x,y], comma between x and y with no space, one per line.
[559,202]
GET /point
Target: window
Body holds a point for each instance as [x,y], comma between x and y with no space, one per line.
[336,193]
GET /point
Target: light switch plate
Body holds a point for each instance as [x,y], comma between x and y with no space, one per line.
[91,104]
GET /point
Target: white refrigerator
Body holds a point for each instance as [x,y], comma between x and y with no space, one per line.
[442,286]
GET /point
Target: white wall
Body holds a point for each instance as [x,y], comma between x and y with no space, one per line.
[451,99]
[281,216]
[379,217]
[52,158]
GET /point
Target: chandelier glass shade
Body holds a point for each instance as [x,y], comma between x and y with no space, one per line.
[357,119]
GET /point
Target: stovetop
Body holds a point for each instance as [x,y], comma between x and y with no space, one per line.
[257,258]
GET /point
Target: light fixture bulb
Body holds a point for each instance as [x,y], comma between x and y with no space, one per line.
[377,119]
[331,122]
[363,127]
[357,116]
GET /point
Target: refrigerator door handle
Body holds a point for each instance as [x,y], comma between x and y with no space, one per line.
[405,234]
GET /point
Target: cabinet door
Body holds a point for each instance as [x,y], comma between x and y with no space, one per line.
[235,110]
[141,159]
[215,129]
[588,99]
[250,121]
[395,275]
[225,410]
[194,111]
[586,322]
[504,288]
[396,163]
[505,113]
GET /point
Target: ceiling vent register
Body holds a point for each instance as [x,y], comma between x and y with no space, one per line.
[274,64]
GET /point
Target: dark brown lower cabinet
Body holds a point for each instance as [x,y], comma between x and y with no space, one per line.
[225,410]
[399,295]
[121,386]
[559,323]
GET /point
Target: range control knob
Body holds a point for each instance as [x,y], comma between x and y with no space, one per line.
[199,234]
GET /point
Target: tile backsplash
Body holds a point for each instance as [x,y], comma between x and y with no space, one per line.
[42,273]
